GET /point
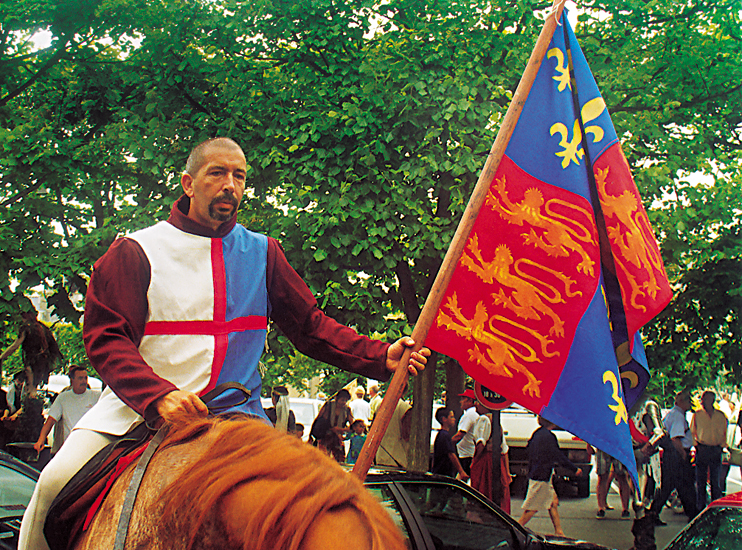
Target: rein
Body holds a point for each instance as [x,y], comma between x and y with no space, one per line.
[136,479]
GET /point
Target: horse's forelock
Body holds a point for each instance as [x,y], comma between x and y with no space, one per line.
[294,485]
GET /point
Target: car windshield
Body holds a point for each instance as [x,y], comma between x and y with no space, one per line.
[15,492]
[719,528]
[457,519]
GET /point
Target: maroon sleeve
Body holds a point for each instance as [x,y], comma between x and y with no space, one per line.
[296,313]
[115,315]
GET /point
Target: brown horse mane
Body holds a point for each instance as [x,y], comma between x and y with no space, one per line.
[294,486]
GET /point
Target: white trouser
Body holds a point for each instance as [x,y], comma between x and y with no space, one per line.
[78,448]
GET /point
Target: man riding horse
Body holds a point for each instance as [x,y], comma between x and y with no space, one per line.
[177,308]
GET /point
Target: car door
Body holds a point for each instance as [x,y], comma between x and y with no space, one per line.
[455,518]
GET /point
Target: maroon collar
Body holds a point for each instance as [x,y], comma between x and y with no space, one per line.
[179,218]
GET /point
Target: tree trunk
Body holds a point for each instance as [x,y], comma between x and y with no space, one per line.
[455,384]
[422,415]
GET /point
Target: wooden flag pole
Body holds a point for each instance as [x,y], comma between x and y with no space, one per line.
[445,273]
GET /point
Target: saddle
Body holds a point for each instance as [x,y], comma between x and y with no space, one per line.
[74,507]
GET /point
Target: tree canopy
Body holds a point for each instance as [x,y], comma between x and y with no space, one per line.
[365,126]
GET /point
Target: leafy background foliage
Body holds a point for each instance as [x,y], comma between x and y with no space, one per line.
[365,128]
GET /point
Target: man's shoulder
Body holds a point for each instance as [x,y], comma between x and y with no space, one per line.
[70,396]
[469,417]
[673,415]
[483,419]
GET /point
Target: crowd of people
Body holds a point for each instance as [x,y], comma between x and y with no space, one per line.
[466,449]
[679,453]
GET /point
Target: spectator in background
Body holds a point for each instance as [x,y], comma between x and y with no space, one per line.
[375,395]
[543,454]
[280,414]
[357,438]
[331,424]
[359,407]
[608,468]
[445,460]
[464,437]
[16,394]
[23,417]
[481,464]
[395,443]
[726,406]
[68,408]
[709,429]
[506,477]
[677,471]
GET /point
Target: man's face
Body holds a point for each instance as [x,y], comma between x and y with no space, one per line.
[465,402]
[79,381]
[342,401]
[217,188]
[708,401]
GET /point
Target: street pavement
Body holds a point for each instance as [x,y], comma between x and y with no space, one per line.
[579,522]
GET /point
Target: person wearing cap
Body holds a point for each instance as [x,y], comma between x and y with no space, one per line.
[280,414]
[359,407]
[464,437]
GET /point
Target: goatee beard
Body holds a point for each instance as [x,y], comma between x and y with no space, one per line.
[218,215]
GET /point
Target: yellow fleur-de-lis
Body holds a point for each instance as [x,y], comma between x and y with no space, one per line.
[573,150]
[562,70]
[619,408]
[590,111]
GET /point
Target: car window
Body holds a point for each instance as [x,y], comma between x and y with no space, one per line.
[384,495]
[15,492]
[457,519]
[717,529]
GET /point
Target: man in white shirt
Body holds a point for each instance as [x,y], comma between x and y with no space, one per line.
[359,407]
[68,408]
[677,472]
[464,438]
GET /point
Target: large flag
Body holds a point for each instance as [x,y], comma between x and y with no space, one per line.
[561,268]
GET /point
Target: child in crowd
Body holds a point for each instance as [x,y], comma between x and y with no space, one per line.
[357,438]
[445,459]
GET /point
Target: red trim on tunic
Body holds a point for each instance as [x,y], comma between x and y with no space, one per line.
[221,341]
[219,276]
[210,328]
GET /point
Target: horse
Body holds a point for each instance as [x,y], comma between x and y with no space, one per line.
[236,483]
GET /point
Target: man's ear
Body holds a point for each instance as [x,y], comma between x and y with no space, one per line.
[186,181]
